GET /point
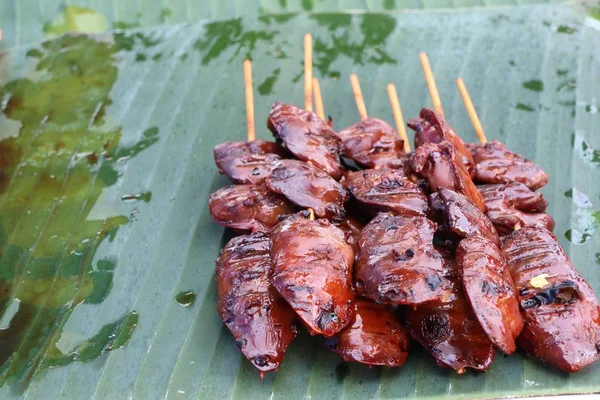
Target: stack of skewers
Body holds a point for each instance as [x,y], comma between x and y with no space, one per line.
[368,244]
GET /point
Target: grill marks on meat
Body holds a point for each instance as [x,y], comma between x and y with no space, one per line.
[560,310]
[372,143]
[261,322]
[387,190]
[489,289]
[308,187]
[312,270]
[513,206]
[436,163]
[449,331]
[494,163]
[306,136]
[247,162]
[247,207]
[431,127]
[375,337]
[397,263]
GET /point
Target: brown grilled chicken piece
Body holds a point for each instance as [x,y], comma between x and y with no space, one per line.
[351,227]
[312,270]
[494,163]
[397,263]
[462,217]
[372,143]
[306,136]
[387,189]
[247,207]
[261,322]
[449,330]
[308,187]
[375,337]
[560,310]
[490,290]
[431,127]
[436,163]
[513,206]
[247,162]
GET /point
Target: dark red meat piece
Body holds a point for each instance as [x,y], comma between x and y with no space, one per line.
[261,322]
[351,227]
[247,162]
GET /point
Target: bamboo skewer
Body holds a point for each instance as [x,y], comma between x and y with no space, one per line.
[249,100]
[316,88]
[308,72]
[397,111]
[358,97]
[433,91]
[464,93]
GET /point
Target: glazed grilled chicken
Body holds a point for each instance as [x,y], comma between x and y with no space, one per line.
[312,270]
[351,227]
[375,337]
[494,163]
[372,143]
[261,322]
[247,162]
[247,207]
[431,127]
[449,330]
[436,163]
[490,291]
[461,217]
[308,187]
[306,136]
[560,310]
[387,189]
[397,263]
[513,206]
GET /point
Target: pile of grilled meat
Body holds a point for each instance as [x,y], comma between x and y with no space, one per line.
[368,246]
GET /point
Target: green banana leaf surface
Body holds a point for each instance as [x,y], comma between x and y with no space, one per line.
[107,248]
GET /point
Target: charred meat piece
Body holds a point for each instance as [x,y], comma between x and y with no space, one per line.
[306,136]
[308,187]
[351,227]
[436,163]
[494,163]
[312,270]
[513,206]
[560,310]
[247,207]
[387,189]
[462,217]
[261,322]
[397,263]
[247,162]
[431,127]
[490,291]
[372,143]
[449,330]
[375,337]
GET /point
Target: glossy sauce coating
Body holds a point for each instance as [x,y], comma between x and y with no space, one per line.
[261,322]
[513,206]
[308,187]
[560,310]
[490,291]
[387,189]
[449,330]
[431,127]
[247,207]
[306,136]
[436,163]
[312,270]
[375,337]
[494,163]
[372,143]
[462,217]
[397,263]
[247,162]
